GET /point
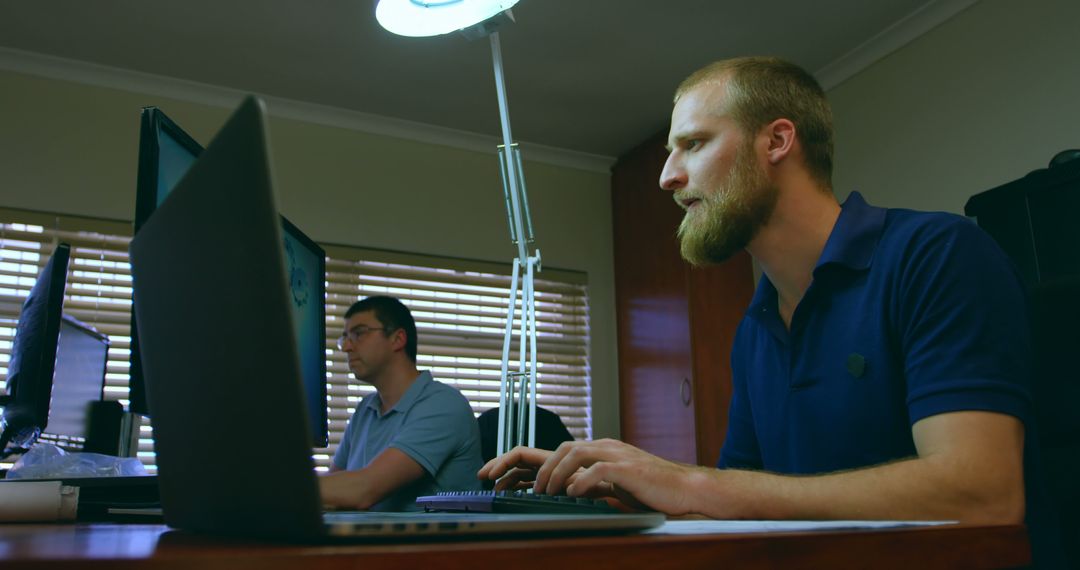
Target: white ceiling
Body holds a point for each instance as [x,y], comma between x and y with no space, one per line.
[588,76]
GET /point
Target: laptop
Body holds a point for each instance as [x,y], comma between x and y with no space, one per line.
[223,376]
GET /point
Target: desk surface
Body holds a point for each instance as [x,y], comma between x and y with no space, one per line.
[156,546]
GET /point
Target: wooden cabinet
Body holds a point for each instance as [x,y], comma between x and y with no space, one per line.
[676,324]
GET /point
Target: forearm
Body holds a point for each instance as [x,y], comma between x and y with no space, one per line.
[969,468]
[363,488]
[914,489]
[347,489]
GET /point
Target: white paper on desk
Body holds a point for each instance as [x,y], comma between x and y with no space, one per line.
[37,501]
[725,526]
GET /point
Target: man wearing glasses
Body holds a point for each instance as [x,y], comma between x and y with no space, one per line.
[413,436]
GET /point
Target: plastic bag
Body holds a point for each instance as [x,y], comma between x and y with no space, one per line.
[46,461]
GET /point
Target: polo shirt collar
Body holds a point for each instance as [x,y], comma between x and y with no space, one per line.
[855,235]
[407,400]
[851,244]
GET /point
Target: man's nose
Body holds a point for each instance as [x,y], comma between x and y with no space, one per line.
[673,176]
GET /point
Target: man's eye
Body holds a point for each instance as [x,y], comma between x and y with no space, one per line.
[691,144]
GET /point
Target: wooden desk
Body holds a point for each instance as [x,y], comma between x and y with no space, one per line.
[155,546]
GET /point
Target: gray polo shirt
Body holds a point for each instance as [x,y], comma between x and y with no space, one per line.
[433,424]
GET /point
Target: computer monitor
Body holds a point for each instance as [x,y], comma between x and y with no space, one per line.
[78,379]
[33,356]
[305,263]
[165,154]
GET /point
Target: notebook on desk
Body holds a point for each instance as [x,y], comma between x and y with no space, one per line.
[220,363]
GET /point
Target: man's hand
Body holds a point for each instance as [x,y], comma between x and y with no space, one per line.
[515,468]
[604,468]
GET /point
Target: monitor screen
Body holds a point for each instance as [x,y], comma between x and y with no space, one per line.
[305,263]
[33,354]
[79,377]
[174,158]
[165,154]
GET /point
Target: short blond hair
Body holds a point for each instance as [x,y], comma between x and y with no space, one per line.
[763,89]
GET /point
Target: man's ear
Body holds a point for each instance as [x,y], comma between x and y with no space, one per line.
[782,140]
[398,340]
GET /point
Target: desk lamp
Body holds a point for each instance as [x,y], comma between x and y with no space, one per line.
[476,19]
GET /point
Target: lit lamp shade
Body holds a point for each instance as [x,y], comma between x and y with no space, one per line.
[417,18]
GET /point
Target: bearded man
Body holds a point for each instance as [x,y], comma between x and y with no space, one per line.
[881,371]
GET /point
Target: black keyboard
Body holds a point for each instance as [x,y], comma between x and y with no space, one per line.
[513,502]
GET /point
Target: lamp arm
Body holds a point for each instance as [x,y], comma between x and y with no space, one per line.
[521,234]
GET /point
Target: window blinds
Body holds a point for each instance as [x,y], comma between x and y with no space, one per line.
[459,307]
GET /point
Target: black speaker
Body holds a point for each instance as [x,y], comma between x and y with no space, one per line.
[103,427]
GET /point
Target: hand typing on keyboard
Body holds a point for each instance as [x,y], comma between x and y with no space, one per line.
[594,469]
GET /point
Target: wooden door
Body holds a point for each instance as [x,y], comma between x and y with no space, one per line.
[675,324]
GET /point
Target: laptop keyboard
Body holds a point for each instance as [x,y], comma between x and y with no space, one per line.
[513,502]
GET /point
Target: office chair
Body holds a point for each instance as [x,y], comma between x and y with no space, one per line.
[550,432]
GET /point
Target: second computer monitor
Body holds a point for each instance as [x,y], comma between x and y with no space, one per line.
[25,410]
[82,354]
[165,154]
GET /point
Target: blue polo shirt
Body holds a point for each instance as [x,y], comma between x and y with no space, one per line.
[909,314]
[433,424]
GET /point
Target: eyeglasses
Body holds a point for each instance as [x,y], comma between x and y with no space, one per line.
[353,335]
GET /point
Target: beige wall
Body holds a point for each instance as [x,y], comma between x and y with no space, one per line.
[72,148]
[983,99]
